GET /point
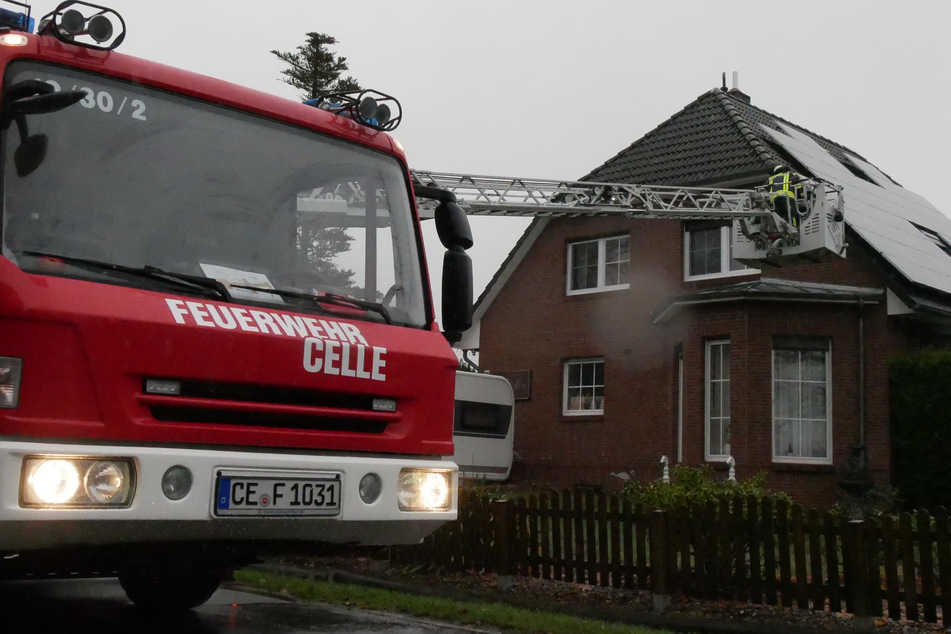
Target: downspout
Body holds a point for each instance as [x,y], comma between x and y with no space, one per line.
[860,457]
[862,374]
[680,405]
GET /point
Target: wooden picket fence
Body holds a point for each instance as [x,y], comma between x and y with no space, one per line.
[747,549]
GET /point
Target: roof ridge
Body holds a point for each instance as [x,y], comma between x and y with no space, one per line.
[726,100]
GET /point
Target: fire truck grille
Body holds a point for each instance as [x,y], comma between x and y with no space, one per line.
[276,395]
[231,395]
[171,413]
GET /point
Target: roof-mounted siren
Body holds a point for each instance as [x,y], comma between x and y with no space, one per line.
[16,20]
[84,24]
[819,237]
[371,108]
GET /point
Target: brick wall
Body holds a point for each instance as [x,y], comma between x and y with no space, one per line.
[533,325]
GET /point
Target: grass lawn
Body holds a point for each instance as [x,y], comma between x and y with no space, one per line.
[492,615]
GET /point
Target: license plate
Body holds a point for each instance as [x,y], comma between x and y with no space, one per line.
[277,495]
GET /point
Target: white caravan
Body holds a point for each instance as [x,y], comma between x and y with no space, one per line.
[484,426]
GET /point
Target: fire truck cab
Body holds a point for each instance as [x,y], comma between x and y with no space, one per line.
[215,318]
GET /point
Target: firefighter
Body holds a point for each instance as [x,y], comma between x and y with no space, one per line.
[784,189]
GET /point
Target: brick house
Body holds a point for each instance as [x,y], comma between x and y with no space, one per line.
[630,339]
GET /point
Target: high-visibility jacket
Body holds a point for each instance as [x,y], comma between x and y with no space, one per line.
[781,185]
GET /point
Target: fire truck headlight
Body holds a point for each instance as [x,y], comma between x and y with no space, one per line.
[104,481]
[425,490]
[54,481]
[66,481]
[10,370]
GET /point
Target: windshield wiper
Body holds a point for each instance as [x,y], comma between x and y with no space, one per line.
[324,298]
[193,282]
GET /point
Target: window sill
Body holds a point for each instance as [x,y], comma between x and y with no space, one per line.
[803,467]
[582,418]
[722,275]
[598,289]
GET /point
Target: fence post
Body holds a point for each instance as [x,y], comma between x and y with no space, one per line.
[502,515]
[657,537]
[857,575]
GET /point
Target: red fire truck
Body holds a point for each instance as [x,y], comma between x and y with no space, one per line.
[216,330]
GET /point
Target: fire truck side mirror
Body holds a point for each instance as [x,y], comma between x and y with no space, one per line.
[30,154]
[452,226]
[32,97]
[456,293]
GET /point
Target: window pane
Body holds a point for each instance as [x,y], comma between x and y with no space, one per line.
[718,398]
[584,265]
[617,255]
[786,404]
[786,364]
[615,274]
[800,403]
[716,433]
[611,248]
[574,374]
[814,365]
[814,400]
[704,251]
[574,398]
[587,373]
[716,362]
[787,438]
[814,439]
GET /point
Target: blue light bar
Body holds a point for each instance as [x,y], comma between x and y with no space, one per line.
[16,21]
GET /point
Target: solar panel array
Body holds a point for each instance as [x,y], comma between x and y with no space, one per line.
[882,212]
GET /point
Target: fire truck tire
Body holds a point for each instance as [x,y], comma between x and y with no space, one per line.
[169,585]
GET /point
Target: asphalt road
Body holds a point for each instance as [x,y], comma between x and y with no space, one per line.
[99,606]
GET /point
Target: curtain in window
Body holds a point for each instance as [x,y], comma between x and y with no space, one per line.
[800,403]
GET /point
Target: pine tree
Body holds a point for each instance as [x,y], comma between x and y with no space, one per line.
[314,69]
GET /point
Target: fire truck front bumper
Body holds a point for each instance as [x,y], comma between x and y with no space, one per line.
[56,495]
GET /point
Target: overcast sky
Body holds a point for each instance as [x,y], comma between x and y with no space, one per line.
[552,89]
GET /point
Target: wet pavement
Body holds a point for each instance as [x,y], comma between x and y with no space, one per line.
[99,606]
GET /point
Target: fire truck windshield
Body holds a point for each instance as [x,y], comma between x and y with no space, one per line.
[141,178]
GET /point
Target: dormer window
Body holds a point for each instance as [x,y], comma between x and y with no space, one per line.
[598,265]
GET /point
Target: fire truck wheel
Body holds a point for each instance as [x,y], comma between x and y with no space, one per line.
[170,585]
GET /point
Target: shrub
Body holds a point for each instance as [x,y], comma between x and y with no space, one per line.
[691,486]
[873,503]
[920,401]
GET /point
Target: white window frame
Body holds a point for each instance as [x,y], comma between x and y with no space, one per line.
[717,399]
[602,252]
[798,384]
[726,253]
[596,404]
